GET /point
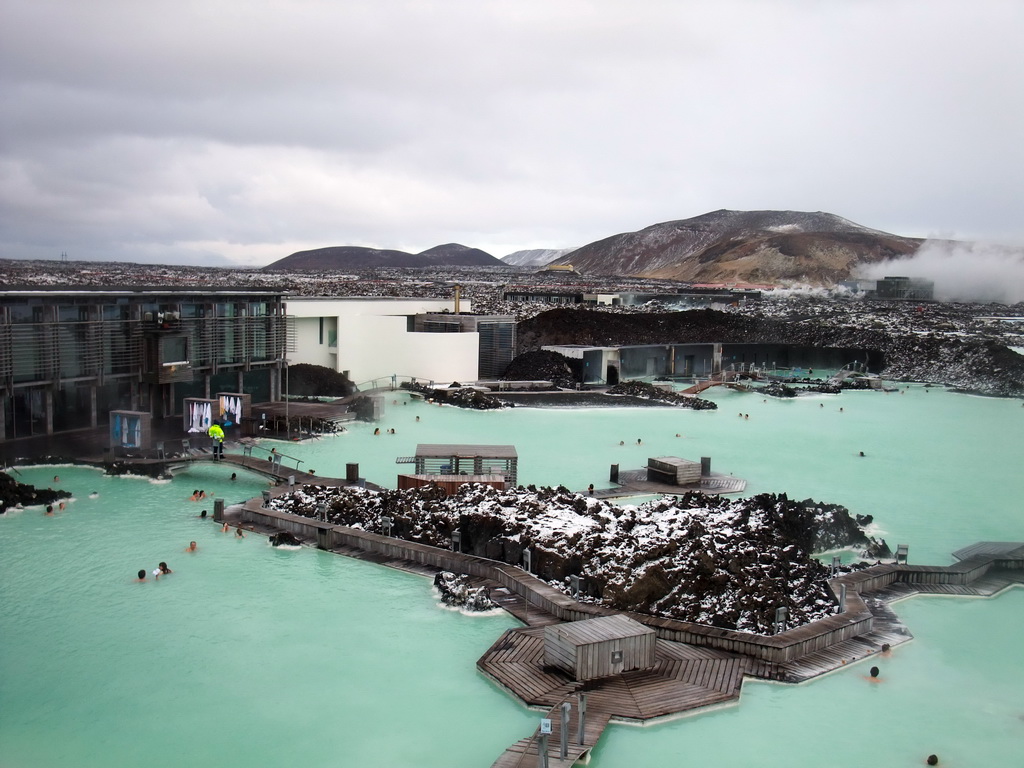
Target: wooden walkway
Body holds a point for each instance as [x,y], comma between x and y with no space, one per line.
[525,752]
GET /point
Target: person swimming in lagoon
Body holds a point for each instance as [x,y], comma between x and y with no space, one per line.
[238,533]
[141,576]
[873,675]
[224,528]
[192,547]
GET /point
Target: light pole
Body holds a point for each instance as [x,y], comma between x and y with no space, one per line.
[287,420]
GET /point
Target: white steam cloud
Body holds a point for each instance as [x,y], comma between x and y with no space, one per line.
[961,271]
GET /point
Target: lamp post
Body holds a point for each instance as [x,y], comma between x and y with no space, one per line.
[287,420]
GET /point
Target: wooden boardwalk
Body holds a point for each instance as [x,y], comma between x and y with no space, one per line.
[525,752]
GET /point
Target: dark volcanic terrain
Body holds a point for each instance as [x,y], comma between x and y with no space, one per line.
[940,343]
[352,258]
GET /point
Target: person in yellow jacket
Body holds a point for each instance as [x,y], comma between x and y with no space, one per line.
[217,433]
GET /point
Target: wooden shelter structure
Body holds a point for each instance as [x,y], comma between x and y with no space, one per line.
[673,470]
[601,647]
[130,430]
[466,463]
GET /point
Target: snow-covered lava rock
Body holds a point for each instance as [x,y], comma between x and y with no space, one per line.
[724,562]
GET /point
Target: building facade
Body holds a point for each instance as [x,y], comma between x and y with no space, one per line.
[70,356]
[377,338]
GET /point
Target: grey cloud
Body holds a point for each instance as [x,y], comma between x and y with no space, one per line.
[175,128]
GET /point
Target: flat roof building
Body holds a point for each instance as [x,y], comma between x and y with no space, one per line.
[69,356]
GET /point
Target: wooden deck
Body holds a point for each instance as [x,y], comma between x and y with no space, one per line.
[684,678]
[633,482]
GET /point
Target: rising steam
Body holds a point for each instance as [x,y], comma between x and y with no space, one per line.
[961,271]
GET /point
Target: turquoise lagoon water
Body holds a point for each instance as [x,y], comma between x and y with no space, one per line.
[252,655]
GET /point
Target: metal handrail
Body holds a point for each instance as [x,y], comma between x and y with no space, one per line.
[271,452]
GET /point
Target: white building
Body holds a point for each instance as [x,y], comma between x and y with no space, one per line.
[372,338]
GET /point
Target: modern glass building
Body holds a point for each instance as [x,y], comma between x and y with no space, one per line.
[70,356]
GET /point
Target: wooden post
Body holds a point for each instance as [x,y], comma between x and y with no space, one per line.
[542,751]
[780,619]
[613,475]
[842,598]
[566,708]
[581,709]
[218,510]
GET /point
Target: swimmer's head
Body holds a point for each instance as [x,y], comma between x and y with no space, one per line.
[874,672]
[203,513]
[142,574]
[932,760]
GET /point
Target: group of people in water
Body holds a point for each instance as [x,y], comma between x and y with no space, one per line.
[160,570]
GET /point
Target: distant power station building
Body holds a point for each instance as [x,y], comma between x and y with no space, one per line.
[910,288]
[894,288]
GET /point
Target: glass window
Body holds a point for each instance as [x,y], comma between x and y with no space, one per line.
[175,349]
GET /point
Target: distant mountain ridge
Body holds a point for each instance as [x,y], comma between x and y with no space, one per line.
[743,246]
[354,257]
[718,247]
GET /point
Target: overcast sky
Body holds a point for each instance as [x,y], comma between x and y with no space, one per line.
[223,131]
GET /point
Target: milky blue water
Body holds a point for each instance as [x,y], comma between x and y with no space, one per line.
[252,655]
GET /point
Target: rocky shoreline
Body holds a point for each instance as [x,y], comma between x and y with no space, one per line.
[15,494]
[727,563]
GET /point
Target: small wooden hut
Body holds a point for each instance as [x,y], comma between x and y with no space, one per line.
[471,463]
[602,647]
[673,471]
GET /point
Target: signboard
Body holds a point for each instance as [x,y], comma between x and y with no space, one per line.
[545,725]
